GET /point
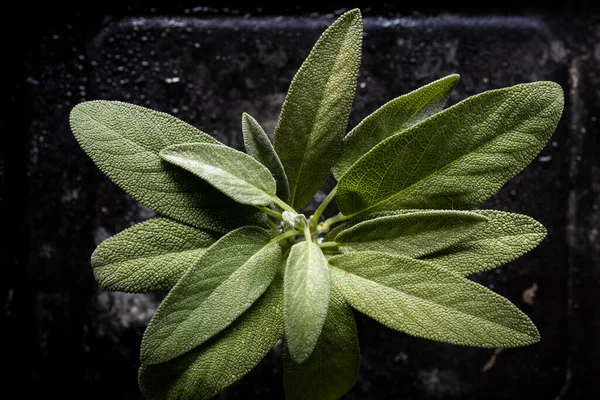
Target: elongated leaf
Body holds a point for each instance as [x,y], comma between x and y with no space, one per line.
[309,133]
[305,298]
[258,145]
[392,118]
[149,256]
[124,140]
[458,157]
[234,173]
[428,301]
[211,367]
[225,282]
[331,369]
[414,235]
[502,239]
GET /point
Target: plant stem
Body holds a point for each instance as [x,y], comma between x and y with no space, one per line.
[283,205]
[325,245]
[273,226]
[315,218]
[324,226]
[307,234]
[270,212]
[284,236]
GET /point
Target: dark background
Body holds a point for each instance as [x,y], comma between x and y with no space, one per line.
[206,63]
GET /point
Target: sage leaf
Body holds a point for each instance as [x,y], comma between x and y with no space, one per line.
[458,157]
[424,300]
[224,283]
[415,235]
[222,360]
[503,238]
[306,288]
[392,118]
[149,256]
[314,116]
[234,173]
[124,140]
[258,145]
[331,369]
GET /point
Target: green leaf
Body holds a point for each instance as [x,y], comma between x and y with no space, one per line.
[415,235]
[234,173]
[310,130]
[306,290]
[222,360]
[258,145]
[502,239]
[224,283]
[458,157]
[393,117]
[428,301]
[124,140]
[332,368]
[149,256]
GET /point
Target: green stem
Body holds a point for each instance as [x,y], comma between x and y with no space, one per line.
[307,234]
[273,226]
[325,245]
[314,220]
[283,205]
[324,226]
[284,236]
[270,212]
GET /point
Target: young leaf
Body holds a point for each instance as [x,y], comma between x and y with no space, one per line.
[331,369]
[392,118]
[458,157]
[124,140]
[258,145]
[234,173]
[309,133]
[222,360]
[414,235]
[149,256]
[306,288]
[428,301]
[503,238]
[224,283]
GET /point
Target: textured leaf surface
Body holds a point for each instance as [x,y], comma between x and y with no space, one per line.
[392,118]
[332,368]
[458,157]
[428,301]
[305,298]
[411,234]
[503,238]
[224,359]
[149,256]
[313,120]
[258,145]
[225,282]
[124,141]
[234,173]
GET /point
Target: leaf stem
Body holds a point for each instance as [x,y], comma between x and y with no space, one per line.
[325,245]
[270,212]
[283,204]
[324,226]
[314,220]
[273,225]
[307,234]
[284,236]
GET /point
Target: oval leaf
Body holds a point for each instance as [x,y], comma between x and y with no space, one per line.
[458,157]
[149,256]
[309,133]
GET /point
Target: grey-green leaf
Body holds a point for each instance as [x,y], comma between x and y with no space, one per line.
[313,120]
[149,256]
[224,283]
[234,173]
[413,234]
[503,238]
[306,291]
[258,145]
[331,369]
[428,301]
[224,359]
[124,140]
[458,157]
[392,118]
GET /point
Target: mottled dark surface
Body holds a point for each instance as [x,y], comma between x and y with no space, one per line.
[68,338]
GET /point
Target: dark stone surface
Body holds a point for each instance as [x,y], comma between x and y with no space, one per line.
[70,339]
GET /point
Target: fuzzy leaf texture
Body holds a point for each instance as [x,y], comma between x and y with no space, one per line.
[306,291]
[393,117]
[149,256]
[258,146]
[124,141]
[314,116]
[227,279]
[424,300]
[458,157]
[209,368]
